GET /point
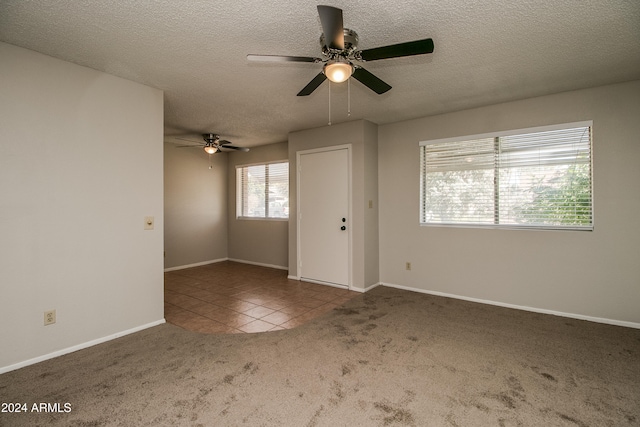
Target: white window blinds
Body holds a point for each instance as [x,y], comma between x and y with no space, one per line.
[538,178]
[263,190]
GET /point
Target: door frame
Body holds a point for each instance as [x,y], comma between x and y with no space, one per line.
[348,147]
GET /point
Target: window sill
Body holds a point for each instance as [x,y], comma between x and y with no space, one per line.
[509,227]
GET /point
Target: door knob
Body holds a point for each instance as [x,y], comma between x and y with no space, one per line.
[343,228]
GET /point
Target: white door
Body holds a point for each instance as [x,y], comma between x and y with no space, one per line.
[323,215]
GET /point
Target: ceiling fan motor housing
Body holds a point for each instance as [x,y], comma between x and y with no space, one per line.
[210,137]
[350,44]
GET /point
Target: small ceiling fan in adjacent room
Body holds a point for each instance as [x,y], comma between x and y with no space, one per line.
[212,144]
[340,54]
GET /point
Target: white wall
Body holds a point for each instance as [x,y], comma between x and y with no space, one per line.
[262,242]
[195,206]
[80,168]
[592,274]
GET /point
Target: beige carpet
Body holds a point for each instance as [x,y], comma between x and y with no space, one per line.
[388,357]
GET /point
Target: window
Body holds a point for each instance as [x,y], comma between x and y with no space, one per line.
[534,178]
[263,190]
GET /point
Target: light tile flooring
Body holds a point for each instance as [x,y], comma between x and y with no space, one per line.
[229,297]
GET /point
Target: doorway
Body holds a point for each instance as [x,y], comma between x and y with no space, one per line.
[324,215]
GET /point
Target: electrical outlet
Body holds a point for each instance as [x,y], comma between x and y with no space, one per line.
[408,266]
[49,317]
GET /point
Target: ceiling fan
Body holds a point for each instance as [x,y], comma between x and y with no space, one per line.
[213,144]
[340,51]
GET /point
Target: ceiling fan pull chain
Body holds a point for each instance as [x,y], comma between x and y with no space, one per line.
[210,164]
[349,98]
[329,103]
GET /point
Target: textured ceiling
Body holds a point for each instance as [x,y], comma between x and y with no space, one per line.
[195,51]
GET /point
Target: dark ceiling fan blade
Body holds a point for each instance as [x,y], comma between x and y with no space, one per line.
[281,58]
[190,146]
[331,19]
[416,47]
[224,142]
[370,81]
[192,140]
[233,147]
[313,84]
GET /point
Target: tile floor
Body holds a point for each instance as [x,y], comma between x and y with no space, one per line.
[229,297]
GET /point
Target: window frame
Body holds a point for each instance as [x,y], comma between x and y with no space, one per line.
[240,192]
[496,135]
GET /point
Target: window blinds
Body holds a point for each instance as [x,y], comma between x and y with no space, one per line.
[532,179]
[263,190]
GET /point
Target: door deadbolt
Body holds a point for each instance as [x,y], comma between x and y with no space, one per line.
[344,219]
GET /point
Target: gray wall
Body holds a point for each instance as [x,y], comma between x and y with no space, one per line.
[262,242]
[73,205]
[362,136]
[593,274]
[370,206]
[80,168]
[195,206]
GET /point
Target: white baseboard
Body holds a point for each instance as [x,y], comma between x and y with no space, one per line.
[78,347]
[321,282]
[365,290]
[197,264]
[260,264]
[213,261]
[520,307]
[361,290]
[368,288]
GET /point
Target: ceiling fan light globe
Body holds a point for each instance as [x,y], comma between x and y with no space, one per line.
[210,149]
[338,72]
